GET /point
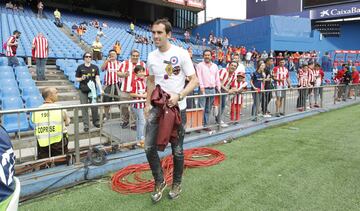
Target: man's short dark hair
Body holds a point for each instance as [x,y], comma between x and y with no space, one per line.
[16,32]
[138,68]
[166,23]
[112,50]
[268,59]
[206,50]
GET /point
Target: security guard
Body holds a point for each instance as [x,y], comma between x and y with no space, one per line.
[50,127]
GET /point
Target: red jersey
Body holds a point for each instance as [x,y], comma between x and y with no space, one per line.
[238,97]
[41,47]
[11,50]
[281,74]
[111,77]
[226,78]
[355,77]
[138,87]
[128,66]
[339,76]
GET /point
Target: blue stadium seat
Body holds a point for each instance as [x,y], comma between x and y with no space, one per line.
[23,75]
[12,102]
[7,75]
[9,91]
[21,61]
[7,83]
[26,83]
[15,122]
[30,91]
[19,69]
[3,61]
[5,69]
[34,101]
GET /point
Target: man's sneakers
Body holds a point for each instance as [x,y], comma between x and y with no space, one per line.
[175,191]
[158,191]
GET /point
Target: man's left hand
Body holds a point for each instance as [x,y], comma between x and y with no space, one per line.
[173,101]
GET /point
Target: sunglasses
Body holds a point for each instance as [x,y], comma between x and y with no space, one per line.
[87,56]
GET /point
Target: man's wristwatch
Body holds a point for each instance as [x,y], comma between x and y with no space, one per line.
[180,97]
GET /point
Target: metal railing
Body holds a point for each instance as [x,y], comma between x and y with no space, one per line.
[112,137]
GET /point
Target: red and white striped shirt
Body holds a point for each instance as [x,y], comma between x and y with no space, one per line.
[138,87]
[281,74]
[111,77]
[11,50]
[41,47]
[303,79]
[311,75]
[226,78]
[128,66]
[237,99]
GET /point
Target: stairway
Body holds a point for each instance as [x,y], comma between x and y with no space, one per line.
[67,31]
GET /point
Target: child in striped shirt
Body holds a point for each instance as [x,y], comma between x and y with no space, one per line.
[237,86]
[138,92]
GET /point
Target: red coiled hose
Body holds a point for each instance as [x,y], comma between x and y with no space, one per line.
[129,180]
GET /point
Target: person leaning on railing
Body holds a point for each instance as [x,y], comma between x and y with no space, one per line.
[50,126]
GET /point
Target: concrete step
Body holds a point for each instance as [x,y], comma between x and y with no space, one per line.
[61,89]
[51,83]
[68,96]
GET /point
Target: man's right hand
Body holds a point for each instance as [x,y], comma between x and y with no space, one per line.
[202,90]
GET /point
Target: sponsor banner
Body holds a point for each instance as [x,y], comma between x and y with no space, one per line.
[336,11]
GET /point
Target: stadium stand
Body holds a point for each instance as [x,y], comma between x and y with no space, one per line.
[60,46]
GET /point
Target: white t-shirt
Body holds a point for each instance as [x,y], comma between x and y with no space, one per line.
[248,56]
[181,64]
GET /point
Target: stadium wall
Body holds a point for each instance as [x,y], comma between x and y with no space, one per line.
[255,33]
[282,33]
[216,26]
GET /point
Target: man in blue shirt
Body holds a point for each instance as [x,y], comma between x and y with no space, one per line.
[7,162]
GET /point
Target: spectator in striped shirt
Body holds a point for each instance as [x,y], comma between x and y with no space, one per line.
[111,81]
[11,47]
[40,48]
[303,80]
[319,75]
[312,76]
[282,81]
[126,72]
[138,92]
[237,87]
[227,77]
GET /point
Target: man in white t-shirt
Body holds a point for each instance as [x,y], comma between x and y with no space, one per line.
[168,67]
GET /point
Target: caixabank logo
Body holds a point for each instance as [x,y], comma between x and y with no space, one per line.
[335,11]
[339,12]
